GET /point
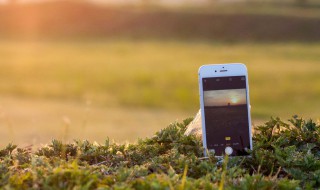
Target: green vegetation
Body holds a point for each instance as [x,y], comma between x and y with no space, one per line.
[132,62]
[160,74]
[284,157]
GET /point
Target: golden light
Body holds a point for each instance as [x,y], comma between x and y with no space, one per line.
[234,100]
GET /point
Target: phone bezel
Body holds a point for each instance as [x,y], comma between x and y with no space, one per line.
[229,69]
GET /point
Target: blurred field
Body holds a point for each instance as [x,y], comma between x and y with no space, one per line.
[30,121]
[219,22]
[128,75]
[158,74]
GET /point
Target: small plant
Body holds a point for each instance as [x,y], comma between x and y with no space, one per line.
[284,156]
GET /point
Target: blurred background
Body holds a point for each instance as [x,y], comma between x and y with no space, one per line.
[123,69]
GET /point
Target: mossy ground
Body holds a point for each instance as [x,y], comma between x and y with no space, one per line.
[285,156]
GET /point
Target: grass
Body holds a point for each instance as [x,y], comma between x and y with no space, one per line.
[160,74]
[284,156]
[35,121]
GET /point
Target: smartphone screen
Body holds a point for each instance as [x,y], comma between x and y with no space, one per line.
[226,115]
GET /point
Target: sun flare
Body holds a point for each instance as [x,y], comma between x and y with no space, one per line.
[234,100]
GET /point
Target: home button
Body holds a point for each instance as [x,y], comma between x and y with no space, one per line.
[228,150]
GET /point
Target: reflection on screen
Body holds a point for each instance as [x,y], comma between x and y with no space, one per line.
[226,114]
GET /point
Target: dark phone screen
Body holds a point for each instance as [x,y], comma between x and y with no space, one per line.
[226,114]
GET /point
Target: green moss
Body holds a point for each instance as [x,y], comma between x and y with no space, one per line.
[285,156]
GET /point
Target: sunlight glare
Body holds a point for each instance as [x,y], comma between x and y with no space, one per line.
[234,100]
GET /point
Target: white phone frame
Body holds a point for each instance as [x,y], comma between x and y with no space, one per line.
[222,70]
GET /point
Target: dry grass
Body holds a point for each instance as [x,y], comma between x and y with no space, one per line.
[159,74]
[28,121]
[126,82]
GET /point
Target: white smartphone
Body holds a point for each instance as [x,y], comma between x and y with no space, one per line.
[225,109]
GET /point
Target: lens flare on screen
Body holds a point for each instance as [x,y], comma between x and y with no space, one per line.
[234,100]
